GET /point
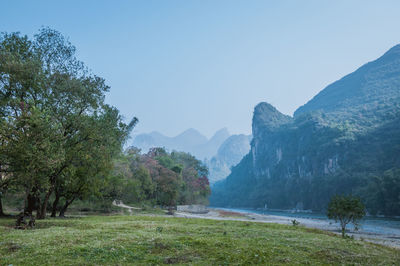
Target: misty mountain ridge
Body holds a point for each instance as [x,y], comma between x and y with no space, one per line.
[190,140]
[344,140]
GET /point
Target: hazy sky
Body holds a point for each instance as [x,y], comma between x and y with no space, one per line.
[206,64]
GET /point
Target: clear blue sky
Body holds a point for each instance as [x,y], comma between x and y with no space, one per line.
[206,64]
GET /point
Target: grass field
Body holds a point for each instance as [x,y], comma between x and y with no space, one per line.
[105,240]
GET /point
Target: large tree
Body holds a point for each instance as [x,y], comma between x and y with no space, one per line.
[56,130]
[30,145]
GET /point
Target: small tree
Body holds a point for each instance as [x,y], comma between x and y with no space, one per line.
[346,209]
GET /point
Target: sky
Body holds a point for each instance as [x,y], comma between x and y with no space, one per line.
[179,64]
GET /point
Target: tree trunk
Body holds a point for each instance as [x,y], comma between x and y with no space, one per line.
[343,223]
[30,204]
[65,207]
[55,203]
[38,206]
[1,208]
[43,209]
[3,187]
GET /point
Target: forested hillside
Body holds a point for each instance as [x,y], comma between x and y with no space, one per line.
[345,140]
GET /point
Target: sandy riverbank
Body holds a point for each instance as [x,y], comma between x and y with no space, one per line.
[392,240]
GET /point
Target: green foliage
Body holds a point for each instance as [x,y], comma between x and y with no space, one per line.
[382,193]
[57,134]
[165,161]
[159,177]
[346,209]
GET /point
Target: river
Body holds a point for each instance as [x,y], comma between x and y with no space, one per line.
[369,224]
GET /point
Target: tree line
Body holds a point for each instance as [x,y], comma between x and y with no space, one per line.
[158,178]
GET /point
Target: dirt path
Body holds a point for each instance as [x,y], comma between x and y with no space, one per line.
[120,204]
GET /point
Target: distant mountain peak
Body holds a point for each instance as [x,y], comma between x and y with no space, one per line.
[223,130]
[191,136]
[190,140]
[223,133]
[268,117]
[155,133]
[262,106]
[190,131]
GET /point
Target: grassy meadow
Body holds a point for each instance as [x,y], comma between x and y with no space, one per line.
[124,240]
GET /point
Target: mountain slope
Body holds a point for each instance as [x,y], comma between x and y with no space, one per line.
[374,87]
[345,140]
[231,151]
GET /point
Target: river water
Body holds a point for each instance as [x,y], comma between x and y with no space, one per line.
[369,224]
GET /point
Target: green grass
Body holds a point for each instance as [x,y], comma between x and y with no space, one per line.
[121,240]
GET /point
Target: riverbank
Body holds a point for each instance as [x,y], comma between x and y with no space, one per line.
[388,237]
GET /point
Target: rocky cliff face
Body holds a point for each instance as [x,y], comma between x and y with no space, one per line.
[346,132]
[293,147]
[266,125]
